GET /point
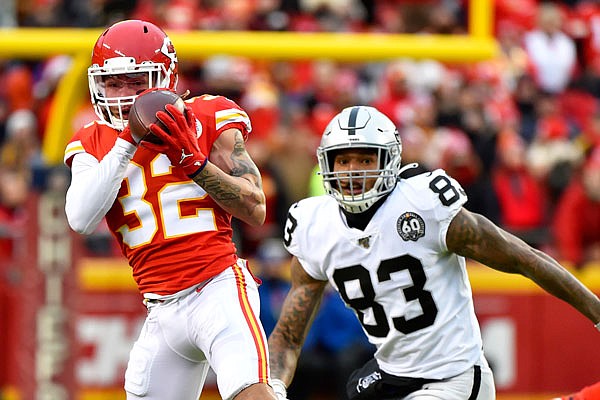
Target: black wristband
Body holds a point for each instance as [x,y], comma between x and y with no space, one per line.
[192,176]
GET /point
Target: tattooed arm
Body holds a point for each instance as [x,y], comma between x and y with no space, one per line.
[474,236]
[297,314]
[232,179]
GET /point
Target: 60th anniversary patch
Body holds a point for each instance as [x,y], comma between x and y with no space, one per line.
[410,226]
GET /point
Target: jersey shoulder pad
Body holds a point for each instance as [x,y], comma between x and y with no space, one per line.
[220,113]
[307,216]
[95,138]
[433,189]
[310,209]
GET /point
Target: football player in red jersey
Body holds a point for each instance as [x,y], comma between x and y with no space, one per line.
[169,206]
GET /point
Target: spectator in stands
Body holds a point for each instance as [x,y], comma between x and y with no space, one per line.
[294,145]
[525,97]
[3,116]
[512,57]
[226,74]
[552,53]
[44,88]
[249,238]
[520,14]
[576,222]
[435,146]
[395,99]
[481,122]
[590,136]
[521,197]
[552,155]
[17,86]
[271,261]
[21,151]
[388,17]
[44,13]
[13,195]
[581,25]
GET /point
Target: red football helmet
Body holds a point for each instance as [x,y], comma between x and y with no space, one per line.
[129,48]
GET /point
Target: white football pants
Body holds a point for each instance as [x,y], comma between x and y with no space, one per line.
[476,383]
[214,324]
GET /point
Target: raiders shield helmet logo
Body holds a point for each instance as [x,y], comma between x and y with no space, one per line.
[410,226]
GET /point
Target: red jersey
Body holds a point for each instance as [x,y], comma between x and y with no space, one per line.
[171,231]
[591,392]
[576,223]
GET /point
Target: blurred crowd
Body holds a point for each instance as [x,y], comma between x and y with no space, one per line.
[520,132]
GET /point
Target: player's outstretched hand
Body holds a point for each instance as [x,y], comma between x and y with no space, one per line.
[180,140]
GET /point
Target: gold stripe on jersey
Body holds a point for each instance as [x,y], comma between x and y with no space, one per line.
[253,324]
[224,117]
[73,148]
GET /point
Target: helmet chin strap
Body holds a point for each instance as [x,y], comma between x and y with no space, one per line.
[347,203]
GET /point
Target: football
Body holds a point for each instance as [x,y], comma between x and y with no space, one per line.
[143,111]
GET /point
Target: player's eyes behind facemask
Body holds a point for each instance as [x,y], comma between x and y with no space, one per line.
[137,82]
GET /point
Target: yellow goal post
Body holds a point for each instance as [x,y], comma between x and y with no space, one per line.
[38,43]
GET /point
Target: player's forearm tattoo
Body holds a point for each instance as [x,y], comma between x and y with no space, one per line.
[288,336]
[230,192]
[218,188]
[462,232]
[298,314]
[242,163]
[475,237]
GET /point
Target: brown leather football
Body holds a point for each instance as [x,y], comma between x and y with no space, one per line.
[144,109]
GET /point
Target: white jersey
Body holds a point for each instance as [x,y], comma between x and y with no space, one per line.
[410,293]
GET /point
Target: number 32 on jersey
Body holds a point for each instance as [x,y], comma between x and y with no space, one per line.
[167,212]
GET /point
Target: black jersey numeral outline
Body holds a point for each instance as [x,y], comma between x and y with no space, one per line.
[446,191]
[381,328]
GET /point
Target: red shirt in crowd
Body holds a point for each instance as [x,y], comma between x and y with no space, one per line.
[576,223]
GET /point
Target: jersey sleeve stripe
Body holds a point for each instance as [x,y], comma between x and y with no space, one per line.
[253,324]
[72,149]
[231,115]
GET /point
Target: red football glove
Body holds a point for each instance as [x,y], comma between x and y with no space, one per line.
[180,143]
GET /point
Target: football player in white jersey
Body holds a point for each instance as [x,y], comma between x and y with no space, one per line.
[395,251]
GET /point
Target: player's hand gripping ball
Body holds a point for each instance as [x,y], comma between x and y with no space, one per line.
[143,112]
